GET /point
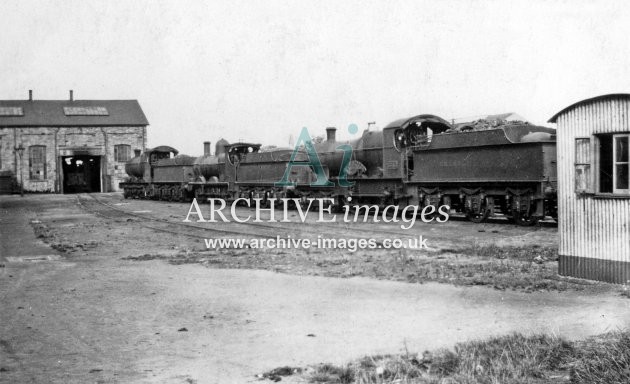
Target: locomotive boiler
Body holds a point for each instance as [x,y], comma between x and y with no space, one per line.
[243,170]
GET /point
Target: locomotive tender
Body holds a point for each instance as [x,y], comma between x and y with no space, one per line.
[508,170]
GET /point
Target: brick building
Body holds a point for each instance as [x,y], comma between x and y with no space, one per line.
[69,146]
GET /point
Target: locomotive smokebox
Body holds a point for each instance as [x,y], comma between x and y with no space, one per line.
[207,166]
[331,134]
[206,148]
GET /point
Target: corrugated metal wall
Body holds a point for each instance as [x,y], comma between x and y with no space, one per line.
[594,232]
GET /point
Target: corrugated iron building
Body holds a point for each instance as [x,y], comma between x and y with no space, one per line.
[593,138]
[68,146]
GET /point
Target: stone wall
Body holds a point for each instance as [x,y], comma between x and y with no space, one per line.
[6,150]
[57,140]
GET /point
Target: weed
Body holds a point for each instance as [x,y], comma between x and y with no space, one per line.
[510,359]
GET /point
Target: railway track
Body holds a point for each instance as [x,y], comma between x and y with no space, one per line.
[310,229]
[279,228]
[99,208]
[260,230]
[375,230]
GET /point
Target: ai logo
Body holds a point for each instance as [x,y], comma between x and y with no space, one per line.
[305,140]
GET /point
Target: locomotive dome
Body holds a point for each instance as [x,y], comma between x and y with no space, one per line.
[220,146]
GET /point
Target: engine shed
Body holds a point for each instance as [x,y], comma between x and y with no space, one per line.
[593,138]
[68,146]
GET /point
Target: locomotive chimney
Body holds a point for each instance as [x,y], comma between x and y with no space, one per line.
[330,134]
[30,95]
[206,148]
[71,95]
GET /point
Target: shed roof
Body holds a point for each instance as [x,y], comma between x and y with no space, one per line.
[67,113]
[554,118]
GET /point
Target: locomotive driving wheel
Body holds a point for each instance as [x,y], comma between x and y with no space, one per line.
[179,194]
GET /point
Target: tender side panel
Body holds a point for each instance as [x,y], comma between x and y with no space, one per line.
[513,162]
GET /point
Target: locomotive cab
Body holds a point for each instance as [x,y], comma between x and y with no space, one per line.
[238,152]
[418,132]
[406,134]
[141,170]
[160,153]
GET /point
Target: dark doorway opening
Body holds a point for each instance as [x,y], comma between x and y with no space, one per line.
[81,174]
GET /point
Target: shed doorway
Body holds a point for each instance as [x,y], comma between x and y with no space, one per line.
[81,174]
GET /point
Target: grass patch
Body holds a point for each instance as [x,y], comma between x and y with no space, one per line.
[328,373]
[277,373]
[527,268]
[147,257]
[44,233]
[532,253]
[511,359]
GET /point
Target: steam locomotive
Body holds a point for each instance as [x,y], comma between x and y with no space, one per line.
[508,170]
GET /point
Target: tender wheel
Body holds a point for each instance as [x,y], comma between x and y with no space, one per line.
[482,208]
[478,217]
[524,219]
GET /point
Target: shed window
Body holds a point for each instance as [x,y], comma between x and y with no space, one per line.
[621,171]
[37,162]
[583,165]
[613,172]
[122,152]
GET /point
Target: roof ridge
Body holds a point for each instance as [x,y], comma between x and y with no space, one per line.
[47,113]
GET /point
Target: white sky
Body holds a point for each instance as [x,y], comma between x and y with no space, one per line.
[261,70]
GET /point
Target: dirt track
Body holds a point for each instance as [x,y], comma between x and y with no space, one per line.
[93,317]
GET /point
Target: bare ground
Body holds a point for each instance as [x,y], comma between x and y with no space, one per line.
[98,315]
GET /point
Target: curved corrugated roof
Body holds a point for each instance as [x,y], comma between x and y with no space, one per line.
[554,118]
